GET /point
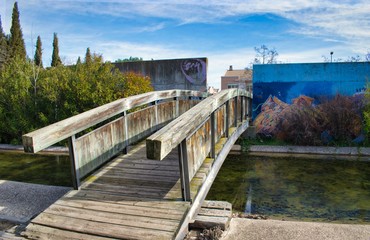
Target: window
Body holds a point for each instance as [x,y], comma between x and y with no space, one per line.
[233,85]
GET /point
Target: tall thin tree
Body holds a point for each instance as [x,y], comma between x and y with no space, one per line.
[16,42]
[38,52]
[55,59]
[88,57]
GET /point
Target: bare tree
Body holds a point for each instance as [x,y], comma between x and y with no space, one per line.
[264,55]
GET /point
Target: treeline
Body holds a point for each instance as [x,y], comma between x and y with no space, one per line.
[32,96]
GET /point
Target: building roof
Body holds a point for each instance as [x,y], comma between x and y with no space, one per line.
[240,73]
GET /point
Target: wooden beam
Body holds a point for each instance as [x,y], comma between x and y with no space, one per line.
[47,136]
[203,191]
[163,141]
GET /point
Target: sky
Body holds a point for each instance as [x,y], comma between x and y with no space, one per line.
[226,32]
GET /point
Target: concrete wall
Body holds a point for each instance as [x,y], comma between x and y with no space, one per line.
[315,80]
[189,74]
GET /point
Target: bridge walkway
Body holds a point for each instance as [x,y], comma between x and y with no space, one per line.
[131,196]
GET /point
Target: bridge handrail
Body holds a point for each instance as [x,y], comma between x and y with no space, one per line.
[160,144]
[42,138]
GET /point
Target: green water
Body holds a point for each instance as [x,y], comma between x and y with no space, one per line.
[295,188]
[31,168]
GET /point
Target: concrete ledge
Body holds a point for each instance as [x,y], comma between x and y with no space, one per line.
[49,150]
[352,151]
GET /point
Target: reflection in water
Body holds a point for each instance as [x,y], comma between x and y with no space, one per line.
[248,205]
[34,168]
[295,188]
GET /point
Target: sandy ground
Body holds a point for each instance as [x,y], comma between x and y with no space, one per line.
[243,229]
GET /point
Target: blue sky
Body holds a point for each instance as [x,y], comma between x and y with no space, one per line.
[225,32]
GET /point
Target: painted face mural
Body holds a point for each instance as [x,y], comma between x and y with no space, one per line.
[194,70]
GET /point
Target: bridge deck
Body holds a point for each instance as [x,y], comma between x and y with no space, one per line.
[129,198]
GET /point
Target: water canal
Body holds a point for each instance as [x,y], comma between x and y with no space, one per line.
[35,168]
[291,188]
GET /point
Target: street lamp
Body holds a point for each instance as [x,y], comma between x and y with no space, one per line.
[331,56]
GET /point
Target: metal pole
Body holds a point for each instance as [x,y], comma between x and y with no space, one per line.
[227,120]
[213,137]
[236,111]
[184,171]
[74,162]
[125,151]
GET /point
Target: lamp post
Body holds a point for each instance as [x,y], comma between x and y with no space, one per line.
[331,56]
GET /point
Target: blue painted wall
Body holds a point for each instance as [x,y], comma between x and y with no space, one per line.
[316,80]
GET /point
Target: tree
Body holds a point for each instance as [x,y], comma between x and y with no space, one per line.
[264,55]
[16,42]
[78,61]
[88,58]
[130,59]
[55,59]
[3,46]
[38,52]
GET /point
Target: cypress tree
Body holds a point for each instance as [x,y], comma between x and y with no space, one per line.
[78,61]
[16,42]
[88,58]
[55,59]
[38,52]
[4,51]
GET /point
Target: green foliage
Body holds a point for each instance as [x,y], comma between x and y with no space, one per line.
[15,100]
[55,59]
[88,57]
[16,42]
[38,52]
[29,101]
[130,59]
[4,51]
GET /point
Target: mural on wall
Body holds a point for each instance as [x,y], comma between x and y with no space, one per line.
[277,88]
[194,70]
[188,74]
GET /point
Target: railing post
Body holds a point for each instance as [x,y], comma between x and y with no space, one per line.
[213,135]
[241,108]
[249,108]
[236,111]
[156,114]
[177,107]
[74,162]
[184,171]
[125,151]
[227,118]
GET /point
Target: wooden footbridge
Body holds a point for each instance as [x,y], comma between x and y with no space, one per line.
[142,166]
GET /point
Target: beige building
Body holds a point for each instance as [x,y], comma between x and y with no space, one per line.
[238,78]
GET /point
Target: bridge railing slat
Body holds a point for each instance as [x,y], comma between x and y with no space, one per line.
[90,150]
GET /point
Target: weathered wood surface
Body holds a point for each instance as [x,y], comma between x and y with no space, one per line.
[163,141]
[212,214]
[47,136]
[130,198]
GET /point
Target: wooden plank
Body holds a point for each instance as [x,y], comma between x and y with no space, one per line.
[169,137]
[35,231]
[207,222]
[171,214]
[47,136]
[100,228]
[202,193]
[217,205]
[125,200]
[95,148]
[114,218]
